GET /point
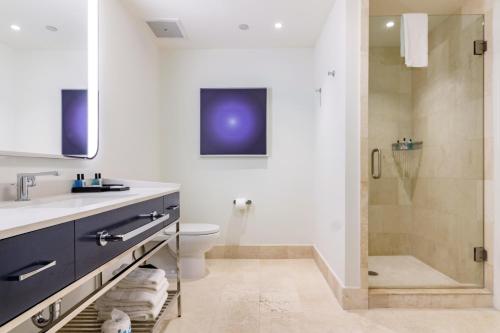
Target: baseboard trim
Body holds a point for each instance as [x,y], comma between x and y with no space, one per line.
[260,252]
[348,298]
[430,298]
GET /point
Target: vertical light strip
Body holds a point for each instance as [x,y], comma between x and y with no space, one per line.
[93,77]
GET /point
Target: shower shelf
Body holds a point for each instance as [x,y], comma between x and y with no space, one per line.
[400,146]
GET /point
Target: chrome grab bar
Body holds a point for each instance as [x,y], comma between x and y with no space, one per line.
[173,207]
[25,276]
[378,174]
[103,237]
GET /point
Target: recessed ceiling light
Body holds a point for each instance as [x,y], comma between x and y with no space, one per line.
[244,26]
[15,27]
[278,25]
[51,28]
[390,24]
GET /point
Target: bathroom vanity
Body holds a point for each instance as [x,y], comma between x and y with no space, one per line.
[50,247]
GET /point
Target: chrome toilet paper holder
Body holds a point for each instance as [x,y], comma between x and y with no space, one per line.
[248,202]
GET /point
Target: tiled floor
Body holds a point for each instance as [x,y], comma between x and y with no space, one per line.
[291,296]
[407,272]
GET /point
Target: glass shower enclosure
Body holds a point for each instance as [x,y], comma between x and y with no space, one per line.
[426,141]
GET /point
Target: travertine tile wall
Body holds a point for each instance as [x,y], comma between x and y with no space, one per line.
[447,214]
[390,119]
[438,215]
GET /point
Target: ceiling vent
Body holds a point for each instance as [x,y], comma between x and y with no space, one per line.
[168,28]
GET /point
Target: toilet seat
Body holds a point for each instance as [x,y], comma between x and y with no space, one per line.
[193,229]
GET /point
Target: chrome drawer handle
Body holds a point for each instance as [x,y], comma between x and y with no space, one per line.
[174,207]
[152,215]
[104,237]
[25,276]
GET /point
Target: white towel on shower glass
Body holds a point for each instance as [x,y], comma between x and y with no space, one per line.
[415,39]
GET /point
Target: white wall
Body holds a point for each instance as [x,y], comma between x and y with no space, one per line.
[336,227]
[281,185]
[129,105]
[6,79]
[353,143]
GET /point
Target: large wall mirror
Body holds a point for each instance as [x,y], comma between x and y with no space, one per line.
[49,78]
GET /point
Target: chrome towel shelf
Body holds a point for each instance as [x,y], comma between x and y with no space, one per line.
[87,321]
[407,145]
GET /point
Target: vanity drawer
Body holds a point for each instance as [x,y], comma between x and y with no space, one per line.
[131,223]
[35,266]
[172,207]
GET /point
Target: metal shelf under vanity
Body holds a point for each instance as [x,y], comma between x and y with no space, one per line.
[87,318]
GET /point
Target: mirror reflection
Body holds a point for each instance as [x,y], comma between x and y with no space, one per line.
[44,77]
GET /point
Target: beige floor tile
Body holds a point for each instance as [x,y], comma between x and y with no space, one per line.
[291,296]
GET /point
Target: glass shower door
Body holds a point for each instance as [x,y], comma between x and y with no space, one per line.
[426,208]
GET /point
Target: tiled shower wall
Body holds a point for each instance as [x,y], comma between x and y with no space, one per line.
[437,213]
[448,117]
[390,118]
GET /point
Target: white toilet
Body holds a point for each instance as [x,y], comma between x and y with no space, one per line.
[196,239]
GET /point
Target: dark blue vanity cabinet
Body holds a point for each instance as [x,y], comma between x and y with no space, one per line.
[172,207]
[90,253]
[34,266]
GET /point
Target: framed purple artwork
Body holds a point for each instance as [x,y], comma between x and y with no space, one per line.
[74,122]
[233,122]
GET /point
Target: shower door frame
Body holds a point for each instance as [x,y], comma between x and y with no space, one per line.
[487,282]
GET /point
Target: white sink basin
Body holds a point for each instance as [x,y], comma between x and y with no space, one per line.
[69,203]
[80,200]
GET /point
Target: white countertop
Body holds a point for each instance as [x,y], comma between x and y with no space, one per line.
[21,217]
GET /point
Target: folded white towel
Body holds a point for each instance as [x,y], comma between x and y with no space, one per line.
[130,297]
[145,277]
[136,313]
[415,39]
[139,287]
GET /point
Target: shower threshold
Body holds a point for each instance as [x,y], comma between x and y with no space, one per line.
[408,272]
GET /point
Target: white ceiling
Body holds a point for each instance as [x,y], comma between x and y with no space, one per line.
[214,23]
[69,16]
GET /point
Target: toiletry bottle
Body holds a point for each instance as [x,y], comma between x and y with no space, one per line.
[78,182]
[100,179]
[95,181]
[84,182]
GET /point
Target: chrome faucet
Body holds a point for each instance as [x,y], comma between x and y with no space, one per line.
[27,180]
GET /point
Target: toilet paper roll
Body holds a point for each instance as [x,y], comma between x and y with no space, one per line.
[240,203]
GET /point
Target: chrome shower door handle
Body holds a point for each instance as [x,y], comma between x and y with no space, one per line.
[376,174]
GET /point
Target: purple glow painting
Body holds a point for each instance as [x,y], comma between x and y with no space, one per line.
[74,122]
[233,121]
